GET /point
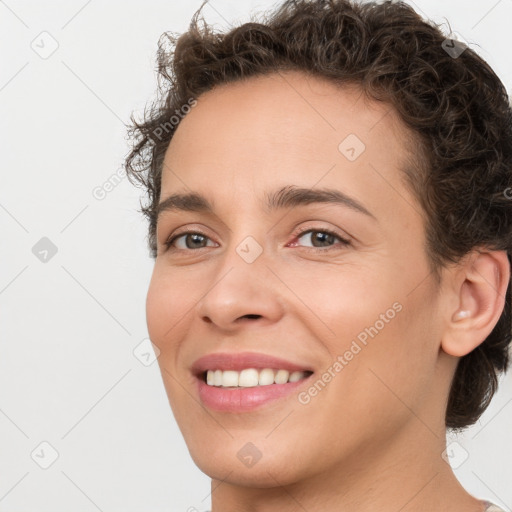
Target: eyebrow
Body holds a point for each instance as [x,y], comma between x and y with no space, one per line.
[285,197]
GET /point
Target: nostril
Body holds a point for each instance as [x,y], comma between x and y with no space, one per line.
[251,316]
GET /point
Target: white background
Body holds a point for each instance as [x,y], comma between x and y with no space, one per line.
[68,327]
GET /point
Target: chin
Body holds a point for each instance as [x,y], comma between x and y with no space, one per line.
[251,459]
[266,473]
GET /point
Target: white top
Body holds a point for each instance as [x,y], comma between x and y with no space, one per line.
[490,507]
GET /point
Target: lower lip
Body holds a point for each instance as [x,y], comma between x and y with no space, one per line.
[244,399]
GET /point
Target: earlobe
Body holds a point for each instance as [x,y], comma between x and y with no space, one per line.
[481,286]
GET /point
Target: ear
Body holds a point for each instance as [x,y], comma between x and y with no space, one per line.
[480,285]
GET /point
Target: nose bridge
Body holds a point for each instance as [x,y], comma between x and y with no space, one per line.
[247,238]
[241,284]
[243,265]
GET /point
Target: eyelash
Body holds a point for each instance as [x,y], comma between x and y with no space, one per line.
[343,241]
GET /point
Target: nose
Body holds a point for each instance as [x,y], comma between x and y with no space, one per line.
[241,293]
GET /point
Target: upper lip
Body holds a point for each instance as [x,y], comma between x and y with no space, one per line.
[242,360]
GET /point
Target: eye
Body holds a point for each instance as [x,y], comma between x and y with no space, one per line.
[191,239]
[323,237]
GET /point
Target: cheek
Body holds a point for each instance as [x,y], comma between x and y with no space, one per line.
[166,308]
[346,299]
[397,360]
[157,305]
[386,335]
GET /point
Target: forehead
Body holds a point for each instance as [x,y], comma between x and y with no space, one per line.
[284,128]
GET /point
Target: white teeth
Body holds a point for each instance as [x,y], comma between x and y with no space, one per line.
[282,376]
[295,376]
[229,379]
[248,378]
[266,377]
[251,377]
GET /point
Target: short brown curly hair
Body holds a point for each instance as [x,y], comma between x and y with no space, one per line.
[454,104]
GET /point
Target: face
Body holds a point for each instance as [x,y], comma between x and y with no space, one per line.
[292,326]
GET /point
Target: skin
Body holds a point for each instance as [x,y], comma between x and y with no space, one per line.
[373,437]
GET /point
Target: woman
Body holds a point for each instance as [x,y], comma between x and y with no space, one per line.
[331,228]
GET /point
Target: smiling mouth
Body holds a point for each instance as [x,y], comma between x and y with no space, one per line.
[252,377]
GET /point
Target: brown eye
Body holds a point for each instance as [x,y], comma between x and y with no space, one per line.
[322,238]
[190,240]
